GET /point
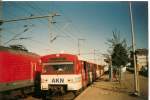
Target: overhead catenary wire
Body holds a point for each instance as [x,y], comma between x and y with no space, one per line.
[18,25]
[13,14]
[32,7]
[19,33]
[26,18]
[64,36]
[67,18]
[50,21]
[68,32]
[67,35]
[30,13]
[16,35]
[71,26]
[39,8]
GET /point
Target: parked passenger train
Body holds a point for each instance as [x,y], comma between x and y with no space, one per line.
[19,69]
[65,72]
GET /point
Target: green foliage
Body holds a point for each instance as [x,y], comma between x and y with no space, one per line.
[119,55]
[118,50]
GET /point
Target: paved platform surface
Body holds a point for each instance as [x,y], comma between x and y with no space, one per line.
[102,89]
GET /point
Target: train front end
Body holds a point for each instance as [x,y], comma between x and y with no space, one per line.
[60,73]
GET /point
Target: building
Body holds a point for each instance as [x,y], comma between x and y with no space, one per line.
[141,58]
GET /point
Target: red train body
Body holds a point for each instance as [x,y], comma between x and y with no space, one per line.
[18,69]
[66,72]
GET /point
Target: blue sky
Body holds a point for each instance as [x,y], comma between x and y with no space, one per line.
[92,21]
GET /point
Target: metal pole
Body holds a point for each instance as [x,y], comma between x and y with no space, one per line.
[110,70]
[79,45]
[134,56]
[94,56]
[50,19]
[78,48]
[0,22]
[32,17]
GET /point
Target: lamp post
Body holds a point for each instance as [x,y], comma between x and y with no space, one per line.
[136,81]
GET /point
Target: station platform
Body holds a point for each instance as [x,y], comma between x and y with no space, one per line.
[103,89]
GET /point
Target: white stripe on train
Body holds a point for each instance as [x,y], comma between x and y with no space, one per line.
[73,82]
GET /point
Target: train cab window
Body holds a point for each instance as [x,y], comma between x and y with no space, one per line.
[64,67]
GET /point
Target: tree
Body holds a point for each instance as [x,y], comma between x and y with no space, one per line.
[119,58]
[118,51]
[119,55]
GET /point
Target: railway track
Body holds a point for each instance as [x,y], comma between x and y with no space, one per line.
[17,95]
[67,96]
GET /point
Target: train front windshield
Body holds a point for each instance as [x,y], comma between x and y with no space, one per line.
[58,67]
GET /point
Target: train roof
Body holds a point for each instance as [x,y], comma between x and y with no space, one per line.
[64,55]
[17,51]
[71,55]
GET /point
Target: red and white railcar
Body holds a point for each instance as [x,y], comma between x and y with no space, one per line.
[62,72]
[65,72]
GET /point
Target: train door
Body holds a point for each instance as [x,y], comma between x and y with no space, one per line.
[94,72]
[83,74]
[86,73]
[33,70]
[97,71]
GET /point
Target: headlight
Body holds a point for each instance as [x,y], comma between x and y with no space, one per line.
[70,80]
[74,80]
[77,79]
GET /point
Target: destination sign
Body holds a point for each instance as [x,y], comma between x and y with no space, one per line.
[57,59]
[58,80]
